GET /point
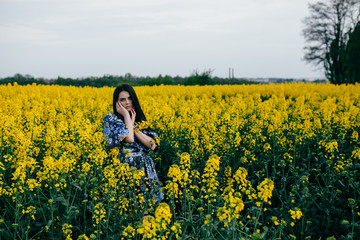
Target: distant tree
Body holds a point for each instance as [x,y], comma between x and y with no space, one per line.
[128,77]
[197,78]
[327,32]
[352,57]
[18,76]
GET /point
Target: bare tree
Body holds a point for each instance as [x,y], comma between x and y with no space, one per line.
[327,31]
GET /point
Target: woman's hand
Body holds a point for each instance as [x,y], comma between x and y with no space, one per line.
[121,110]
[129,122]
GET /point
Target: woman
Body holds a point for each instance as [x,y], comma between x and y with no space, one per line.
[121,130]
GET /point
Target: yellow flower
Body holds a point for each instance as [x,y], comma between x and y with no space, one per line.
[99,213]
[129,231]
[295,214]
[82,237]
[275,220]
[32,184]
[152,226]
[265,190]
[233,204]
[66,229]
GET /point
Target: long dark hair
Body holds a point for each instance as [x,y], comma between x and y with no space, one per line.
[136,105]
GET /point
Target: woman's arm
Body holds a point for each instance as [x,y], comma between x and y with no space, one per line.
[130,137]
[129,122]
[146,140]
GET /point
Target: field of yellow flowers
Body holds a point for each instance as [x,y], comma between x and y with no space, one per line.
[235,162]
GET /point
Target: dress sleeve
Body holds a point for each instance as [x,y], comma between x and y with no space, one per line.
[114,130]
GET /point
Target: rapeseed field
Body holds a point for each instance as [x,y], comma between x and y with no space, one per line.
[235,162]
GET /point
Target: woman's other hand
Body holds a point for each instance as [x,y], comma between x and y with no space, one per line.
[133,115]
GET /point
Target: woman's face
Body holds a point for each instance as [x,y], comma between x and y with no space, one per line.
[125,100]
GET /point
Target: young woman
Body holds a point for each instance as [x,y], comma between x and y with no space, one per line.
[121,130]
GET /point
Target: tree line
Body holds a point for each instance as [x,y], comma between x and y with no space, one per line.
[196,78]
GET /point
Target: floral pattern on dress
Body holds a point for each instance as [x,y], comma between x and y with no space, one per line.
[135,154]
[114,130]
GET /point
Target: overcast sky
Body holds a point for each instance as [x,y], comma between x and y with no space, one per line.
[82,38]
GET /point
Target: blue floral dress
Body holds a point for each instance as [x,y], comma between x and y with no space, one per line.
[135,154]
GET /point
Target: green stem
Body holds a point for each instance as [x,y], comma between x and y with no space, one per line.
[233,229]
[84,215]
[258,217]
[17,216]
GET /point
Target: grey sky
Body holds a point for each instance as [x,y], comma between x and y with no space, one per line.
[81,38]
